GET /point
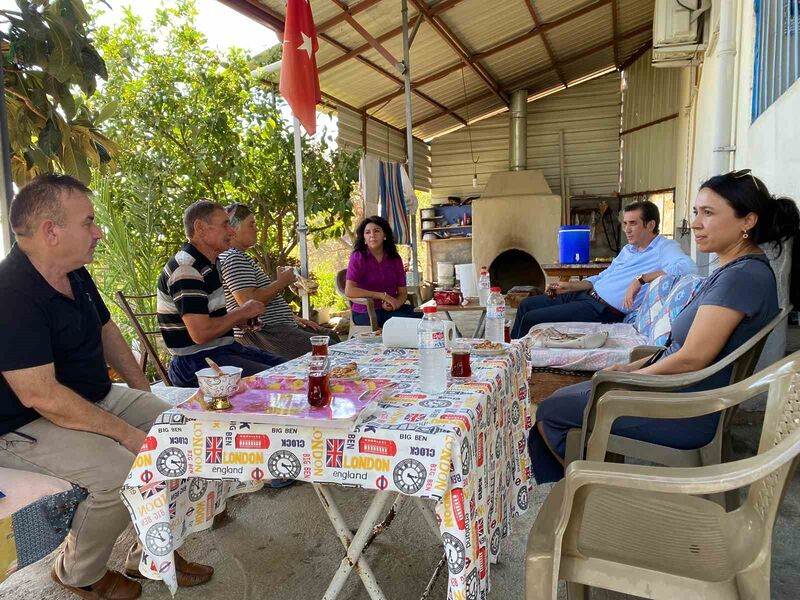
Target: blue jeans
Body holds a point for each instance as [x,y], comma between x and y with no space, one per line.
[575,307]
[563,410]
[384,315]
[252,360]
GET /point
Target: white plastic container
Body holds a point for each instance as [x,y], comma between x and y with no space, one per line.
[432,352]
[484,286]
[495,316]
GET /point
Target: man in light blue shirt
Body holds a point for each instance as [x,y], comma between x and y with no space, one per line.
[609,296]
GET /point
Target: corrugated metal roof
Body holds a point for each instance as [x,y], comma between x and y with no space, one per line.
[499,38]
[588,114]
[651,94]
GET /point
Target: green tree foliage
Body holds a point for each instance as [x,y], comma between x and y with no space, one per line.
[193,124]
[51,67]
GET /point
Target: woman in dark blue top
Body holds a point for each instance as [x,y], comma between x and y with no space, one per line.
[734,213]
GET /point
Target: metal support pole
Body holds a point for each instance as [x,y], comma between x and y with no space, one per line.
[410,143]
[355,548]
[302,230]
[7,189]
[346,537]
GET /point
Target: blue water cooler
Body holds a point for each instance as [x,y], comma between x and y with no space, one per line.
[573,244]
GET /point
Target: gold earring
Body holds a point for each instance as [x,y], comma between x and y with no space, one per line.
[745,235]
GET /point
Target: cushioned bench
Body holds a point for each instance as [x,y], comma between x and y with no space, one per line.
[650,325]
[35,514]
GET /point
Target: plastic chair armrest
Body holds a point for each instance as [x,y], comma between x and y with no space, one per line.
[364,301]
[637,381]
[694,481]
[654,405]
[640,352]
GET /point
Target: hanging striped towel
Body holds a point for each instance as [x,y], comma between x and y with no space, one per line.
[393,204]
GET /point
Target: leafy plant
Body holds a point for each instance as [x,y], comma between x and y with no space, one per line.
[133,250]
[326,294]
[197,124]
[51,67]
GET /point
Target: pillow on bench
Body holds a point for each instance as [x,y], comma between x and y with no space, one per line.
[661,304]
[651,325]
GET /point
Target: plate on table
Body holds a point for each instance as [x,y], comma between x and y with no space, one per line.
[348,372]
[487,348]
[370,337]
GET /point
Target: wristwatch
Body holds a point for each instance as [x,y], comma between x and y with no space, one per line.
[640,279]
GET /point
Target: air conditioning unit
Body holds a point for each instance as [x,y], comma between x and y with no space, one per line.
[677,32]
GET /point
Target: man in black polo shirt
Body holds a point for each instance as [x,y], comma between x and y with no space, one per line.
[191,303]
[59,413]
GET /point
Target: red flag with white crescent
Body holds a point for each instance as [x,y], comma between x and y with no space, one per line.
[299,77]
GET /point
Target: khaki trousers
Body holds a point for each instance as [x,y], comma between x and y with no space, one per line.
[96,463]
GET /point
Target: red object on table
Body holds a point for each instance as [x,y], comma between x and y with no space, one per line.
[447,297]
[319,390]
[460,366]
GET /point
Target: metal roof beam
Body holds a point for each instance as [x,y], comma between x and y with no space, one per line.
[363,48]
[415,84]
[338,102]
[348,11]
[548,48]
[539,30]
[258,12]
[379,48]
[365,4]
[458,46]
[640,51]
[615,31]
[278,23]
[561,63]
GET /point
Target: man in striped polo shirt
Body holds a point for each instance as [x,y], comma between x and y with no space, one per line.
[192,316]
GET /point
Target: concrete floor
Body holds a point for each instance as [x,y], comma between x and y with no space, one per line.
[278,544]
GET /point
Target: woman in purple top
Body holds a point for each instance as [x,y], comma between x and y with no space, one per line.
[376,272]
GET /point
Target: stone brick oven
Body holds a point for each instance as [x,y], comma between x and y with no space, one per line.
[515,228]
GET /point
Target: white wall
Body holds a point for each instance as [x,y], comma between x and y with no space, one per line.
[769,146]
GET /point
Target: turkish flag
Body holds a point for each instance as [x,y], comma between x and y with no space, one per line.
[299,77]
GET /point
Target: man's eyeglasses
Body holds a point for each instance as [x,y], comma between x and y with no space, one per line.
[745,173]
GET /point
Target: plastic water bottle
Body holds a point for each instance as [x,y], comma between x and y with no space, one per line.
[432,352]
[484,286]
[495,316]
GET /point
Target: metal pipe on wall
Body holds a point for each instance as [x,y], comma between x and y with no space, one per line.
[6,185]
[723,113]
[722,141]
[563,172]
[518,131]
[412,218]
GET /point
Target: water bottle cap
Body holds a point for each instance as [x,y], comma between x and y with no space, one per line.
[496,289]
[428,309]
